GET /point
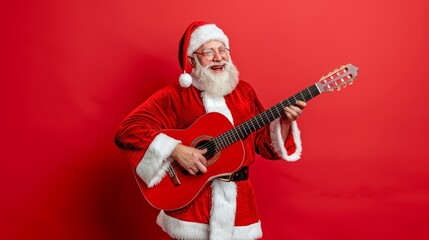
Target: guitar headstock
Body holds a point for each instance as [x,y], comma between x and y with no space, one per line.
[338,79]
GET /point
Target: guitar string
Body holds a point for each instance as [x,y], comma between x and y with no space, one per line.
[229,137]
[260,119]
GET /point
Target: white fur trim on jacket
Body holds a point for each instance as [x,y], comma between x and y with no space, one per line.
[152,168]
[278,143]
[198,231]
[182,229]
[204,34]
[224,205]
[222,218]
[250,232]
[216,104]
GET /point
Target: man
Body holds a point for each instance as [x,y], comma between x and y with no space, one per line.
[223,210]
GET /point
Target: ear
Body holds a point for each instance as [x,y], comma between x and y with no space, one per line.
[191,61]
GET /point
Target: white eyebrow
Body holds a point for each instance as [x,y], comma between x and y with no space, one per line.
[213,50]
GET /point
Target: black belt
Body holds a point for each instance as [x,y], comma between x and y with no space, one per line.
[240,175]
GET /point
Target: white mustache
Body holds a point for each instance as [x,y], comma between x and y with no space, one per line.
[215,84]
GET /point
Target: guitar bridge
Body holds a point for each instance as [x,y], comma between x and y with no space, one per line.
[173,176]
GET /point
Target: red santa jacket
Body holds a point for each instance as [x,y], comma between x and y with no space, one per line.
[229,208]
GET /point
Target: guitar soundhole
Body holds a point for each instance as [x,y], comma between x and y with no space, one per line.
[211,149]
[206,142]
[211,156]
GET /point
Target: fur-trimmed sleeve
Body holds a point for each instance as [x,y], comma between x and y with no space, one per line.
[140,139]
[270,144]
[289,150]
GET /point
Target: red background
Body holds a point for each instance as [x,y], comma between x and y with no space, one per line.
[72,70]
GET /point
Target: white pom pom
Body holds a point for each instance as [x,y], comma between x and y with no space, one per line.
[185,80]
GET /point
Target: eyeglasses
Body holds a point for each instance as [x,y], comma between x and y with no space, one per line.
[209,54]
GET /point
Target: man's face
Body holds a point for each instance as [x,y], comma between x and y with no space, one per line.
[213,70]
[213,52]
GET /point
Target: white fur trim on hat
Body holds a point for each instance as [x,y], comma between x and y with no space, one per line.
[204,34]
[185,80]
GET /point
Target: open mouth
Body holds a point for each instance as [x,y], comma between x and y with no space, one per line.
[217,68]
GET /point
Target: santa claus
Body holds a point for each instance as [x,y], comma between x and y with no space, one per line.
[222,210]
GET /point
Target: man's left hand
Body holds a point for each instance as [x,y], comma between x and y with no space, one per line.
[293,112]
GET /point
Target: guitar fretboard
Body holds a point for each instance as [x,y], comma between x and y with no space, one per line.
[246,128]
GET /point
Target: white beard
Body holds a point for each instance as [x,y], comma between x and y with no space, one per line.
[215,84]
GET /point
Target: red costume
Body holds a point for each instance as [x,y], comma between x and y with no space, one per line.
[224,210]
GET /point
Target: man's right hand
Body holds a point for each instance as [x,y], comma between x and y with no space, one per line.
[191,159]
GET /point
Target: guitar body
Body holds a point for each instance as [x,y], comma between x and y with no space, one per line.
[169,196]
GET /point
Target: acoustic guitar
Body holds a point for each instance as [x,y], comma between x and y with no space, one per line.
[225,150]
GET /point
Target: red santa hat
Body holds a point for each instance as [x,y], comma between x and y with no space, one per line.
[194,37]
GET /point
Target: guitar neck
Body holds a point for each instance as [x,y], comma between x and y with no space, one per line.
[246,128]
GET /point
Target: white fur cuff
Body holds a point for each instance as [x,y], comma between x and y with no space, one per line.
[153,166]
[278,143]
